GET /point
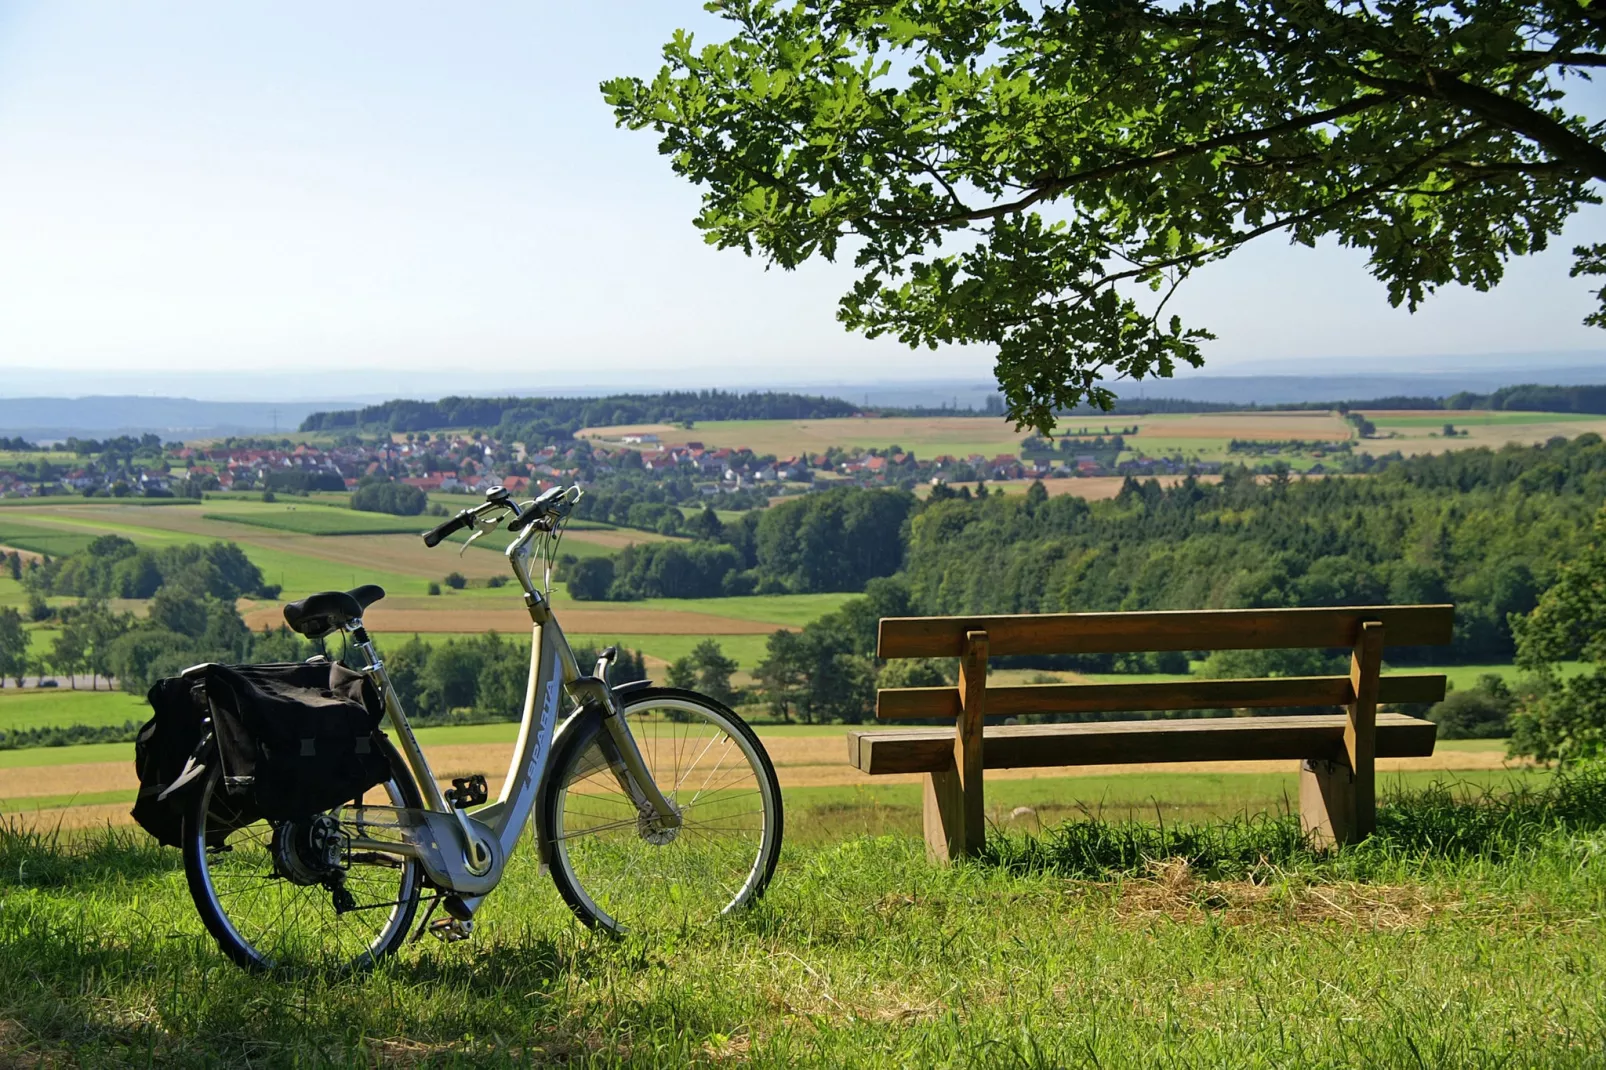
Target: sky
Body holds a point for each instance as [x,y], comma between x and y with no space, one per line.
[406,191]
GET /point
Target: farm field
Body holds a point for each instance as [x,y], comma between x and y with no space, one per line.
[1414,432]
[989,436]
[71,784]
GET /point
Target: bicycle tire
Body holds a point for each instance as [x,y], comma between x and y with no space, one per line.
[403,791]
[580,771]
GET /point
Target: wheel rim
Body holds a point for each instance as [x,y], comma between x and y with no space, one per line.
[630,873]
[253,889]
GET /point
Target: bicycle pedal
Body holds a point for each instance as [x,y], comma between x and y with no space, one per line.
[451,930]
[468,791]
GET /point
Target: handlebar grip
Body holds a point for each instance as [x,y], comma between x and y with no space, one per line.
[456,524]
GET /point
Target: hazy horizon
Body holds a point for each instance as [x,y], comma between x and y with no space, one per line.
[390,195]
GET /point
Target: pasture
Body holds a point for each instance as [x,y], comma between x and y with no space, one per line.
[1420,431]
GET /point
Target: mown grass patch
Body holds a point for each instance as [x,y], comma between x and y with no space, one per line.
[21,535]
[41,707]
[864,955]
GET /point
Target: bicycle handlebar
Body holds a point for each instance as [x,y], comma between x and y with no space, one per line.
[556,501]
[462,520]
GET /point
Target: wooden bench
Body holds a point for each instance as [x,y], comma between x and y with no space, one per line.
[1336,750]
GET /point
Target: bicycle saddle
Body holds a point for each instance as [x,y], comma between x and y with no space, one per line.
[316,615]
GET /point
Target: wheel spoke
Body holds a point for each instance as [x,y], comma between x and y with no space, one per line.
[625,871]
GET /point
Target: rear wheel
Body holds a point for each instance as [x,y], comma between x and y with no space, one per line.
[616,863]
[290,893]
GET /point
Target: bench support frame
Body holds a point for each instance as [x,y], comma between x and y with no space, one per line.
[955,805]
[1337,792]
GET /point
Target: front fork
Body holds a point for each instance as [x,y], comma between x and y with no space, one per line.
[624,754]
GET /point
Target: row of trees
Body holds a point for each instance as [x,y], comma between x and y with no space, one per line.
[113,567]
[480,678]
[549,419]
[386,496]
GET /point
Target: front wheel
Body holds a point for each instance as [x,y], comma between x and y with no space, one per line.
[616,863]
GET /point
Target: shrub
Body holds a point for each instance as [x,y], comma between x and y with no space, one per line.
[455,580]
[434,588]
[1480,712]
[397,499]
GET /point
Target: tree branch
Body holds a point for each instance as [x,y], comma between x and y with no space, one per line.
[1049,187]
[1354,196]
[1533,124]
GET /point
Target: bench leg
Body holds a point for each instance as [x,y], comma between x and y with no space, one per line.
[1327,802]
[944,812]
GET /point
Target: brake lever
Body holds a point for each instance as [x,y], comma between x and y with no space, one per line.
[481,526]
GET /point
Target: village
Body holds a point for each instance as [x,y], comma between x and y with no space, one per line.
[468,463]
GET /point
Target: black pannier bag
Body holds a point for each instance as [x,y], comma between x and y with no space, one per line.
[294,739]
[162,751]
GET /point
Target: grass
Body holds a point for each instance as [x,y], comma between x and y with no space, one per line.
[1471,933]
[48,707]
[21,535]
[326,521]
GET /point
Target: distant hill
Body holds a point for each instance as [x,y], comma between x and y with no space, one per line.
[53,419]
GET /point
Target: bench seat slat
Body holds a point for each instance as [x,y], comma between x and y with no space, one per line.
[1117,633]
[1318,736]
[906,703]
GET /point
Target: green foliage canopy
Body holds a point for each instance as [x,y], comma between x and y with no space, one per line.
[1010,174]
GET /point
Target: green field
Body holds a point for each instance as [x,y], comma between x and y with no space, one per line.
[35,707]
[18,534]
[324,521]
[1480,418]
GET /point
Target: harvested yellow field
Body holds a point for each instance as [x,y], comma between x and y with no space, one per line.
[960,436]
[1092,488]
[800,762]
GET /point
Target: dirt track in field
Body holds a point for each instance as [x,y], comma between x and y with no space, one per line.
[800,762]
[25,555]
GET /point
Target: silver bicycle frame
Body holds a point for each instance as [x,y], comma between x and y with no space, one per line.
[465,853]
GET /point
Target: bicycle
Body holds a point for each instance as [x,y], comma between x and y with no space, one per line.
[654,807]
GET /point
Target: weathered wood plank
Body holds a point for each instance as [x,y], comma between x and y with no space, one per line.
[1314,736]
[942,809]
[906,703]
[1360,730]
[1327,802]
[972,831]
[1115,633]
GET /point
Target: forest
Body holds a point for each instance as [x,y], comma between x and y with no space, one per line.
[1482,528]
[543,419]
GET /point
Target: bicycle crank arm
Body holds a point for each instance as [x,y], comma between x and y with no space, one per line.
[439,844]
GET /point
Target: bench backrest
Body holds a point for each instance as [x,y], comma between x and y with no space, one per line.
[974,639]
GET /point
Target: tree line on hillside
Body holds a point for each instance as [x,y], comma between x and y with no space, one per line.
[835,540]
[561,417]
[1485,529]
